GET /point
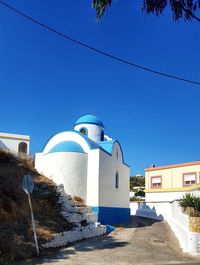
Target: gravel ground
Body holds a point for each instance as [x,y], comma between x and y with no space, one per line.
[142,242]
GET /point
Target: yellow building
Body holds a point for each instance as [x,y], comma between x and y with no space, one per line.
[167,183]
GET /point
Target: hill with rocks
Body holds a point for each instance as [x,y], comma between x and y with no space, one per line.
[59,219]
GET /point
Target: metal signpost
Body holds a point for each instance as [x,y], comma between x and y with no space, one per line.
[28,186]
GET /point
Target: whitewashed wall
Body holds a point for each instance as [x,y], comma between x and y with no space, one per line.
[158,210]
[109,166]
[195,192]
[67,168]
[180,225]
[164,196]
[93,178]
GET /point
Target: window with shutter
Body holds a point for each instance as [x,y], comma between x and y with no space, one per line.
[156,182]
[189,179]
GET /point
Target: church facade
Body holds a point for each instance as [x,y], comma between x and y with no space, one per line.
[91,165]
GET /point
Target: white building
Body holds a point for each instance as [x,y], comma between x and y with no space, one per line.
[15,143]
[91,165]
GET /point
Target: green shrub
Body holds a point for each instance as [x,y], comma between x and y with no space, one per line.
[191,205]
[140,193]
[187,201]
[136,199]
[197,204]
[136,181]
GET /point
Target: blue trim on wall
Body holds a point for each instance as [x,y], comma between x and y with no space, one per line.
[67,146]
[89,119]
[95,123]
[107,146]
[91,143]
[112,215]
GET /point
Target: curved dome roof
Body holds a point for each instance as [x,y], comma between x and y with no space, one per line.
[67,146]
[89,119]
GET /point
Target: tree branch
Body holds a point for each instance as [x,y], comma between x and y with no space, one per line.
[189,12]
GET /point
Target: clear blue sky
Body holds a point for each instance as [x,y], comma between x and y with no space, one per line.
[47,83]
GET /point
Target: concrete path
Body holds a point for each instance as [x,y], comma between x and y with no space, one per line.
[142,242]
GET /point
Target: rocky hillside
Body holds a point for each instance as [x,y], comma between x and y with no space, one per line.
[59,219]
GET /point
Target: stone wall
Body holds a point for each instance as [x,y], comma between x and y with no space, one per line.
[194,224]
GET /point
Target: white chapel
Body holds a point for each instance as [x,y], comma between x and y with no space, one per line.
[91,165]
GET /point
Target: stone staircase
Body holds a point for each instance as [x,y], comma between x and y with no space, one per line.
[84,222]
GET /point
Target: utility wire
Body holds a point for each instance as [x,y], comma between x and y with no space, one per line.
[97,50]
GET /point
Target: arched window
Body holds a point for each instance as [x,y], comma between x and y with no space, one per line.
[102,135]
[83,131]
[117,180]
[22,149]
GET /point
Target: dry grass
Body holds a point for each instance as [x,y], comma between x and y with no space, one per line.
[16,235]
[78,199]
[44,232]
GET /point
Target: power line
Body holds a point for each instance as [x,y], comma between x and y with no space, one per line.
[97,50]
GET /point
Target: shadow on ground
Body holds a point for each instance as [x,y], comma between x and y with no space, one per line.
[98,243]
[137,221]
[55,255]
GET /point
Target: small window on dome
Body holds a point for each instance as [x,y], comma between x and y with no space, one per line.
[102,135]
[83,131]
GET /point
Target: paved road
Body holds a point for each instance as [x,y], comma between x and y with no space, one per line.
[142,242]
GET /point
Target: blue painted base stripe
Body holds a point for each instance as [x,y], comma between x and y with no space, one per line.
[112,215]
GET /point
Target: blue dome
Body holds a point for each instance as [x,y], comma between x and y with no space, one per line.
[89,119]
[67,146]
